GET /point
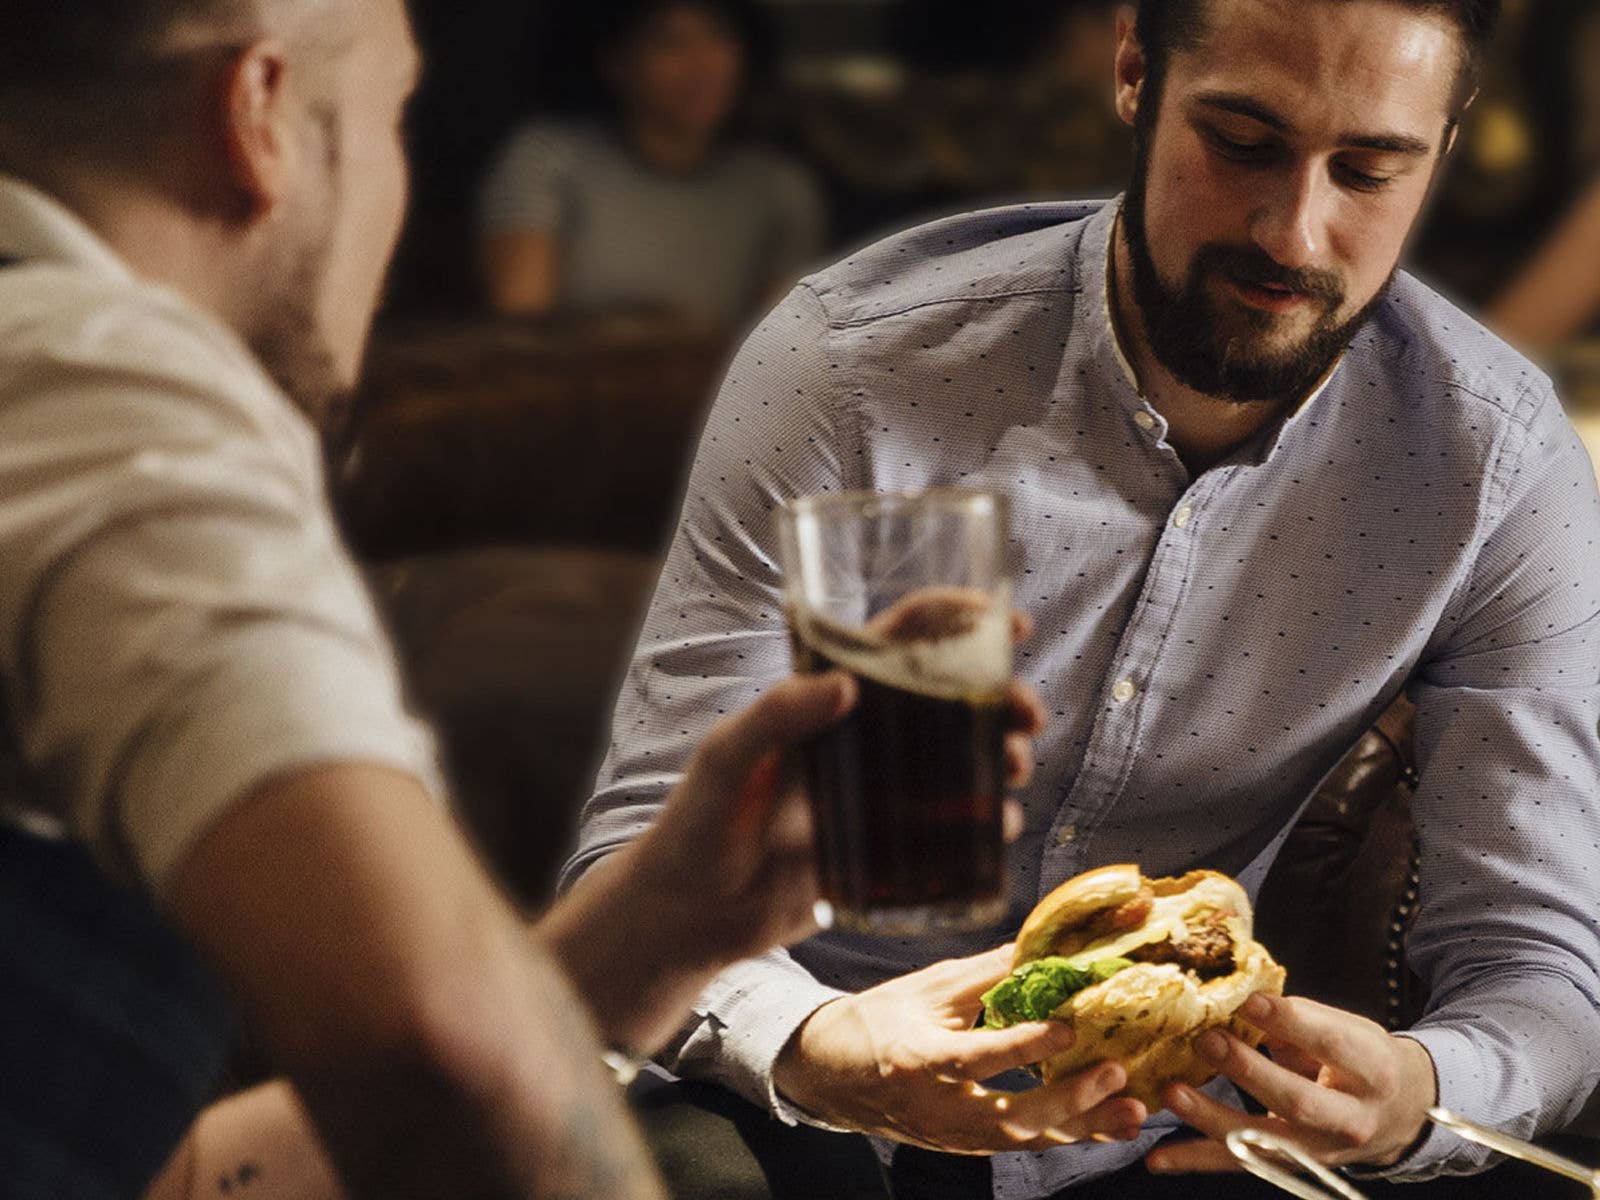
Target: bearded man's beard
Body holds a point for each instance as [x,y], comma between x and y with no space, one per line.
[288,339]
[1227,352]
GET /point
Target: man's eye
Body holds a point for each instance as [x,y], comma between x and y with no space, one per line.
[1239,151]
[1362,181]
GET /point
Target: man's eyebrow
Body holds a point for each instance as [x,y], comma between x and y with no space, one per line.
[1244,106]
[1391,143]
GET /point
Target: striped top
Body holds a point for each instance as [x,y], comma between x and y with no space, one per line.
[715,243]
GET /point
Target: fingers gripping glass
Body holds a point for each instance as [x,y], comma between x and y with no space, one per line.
[909,594]
[1264,1155]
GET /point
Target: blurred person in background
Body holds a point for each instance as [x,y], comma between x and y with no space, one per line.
[1556,296]
[1527,152]
[207,771]
[655,203]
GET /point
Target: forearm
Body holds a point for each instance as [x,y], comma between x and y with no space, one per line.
[545,1121]
[636,958]
[436,1051]
[520,272]
[1558,292]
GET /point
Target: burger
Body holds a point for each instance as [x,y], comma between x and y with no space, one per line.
[1141,967]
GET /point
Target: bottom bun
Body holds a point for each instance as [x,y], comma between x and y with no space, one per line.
[1147,1017]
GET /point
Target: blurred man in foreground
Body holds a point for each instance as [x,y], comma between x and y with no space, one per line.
[198,200]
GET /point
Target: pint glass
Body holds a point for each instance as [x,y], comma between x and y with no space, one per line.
[910,595]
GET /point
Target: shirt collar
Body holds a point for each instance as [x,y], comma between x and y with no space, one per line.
[36,227]
[1097,259]
[1095,280]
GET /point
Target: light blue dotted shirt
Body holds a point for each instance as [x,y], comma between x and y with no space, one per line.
[1208,646]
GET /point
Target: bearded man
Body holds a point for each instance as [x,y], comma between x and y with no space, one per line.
[1262,483]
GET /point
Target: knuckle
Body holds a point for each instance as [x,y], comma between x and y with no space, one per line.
[899,1064]
[1298,1110]
[717,745]
[1359,1133]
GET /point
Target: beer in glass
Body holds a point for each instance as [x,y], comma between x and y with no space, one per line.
[909,594]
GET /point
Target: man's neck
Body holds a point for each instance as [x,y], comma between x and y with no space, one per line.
[1203,429]
[161,243]
[669,149]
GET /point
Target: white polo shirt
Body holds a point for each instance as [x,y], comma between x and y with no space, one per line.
[179,620]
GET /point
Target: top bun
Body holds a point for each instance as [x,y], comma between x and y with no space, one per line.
[1054,919]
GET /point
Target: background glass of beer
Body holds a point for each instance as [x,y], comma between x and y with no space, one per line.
[908,593]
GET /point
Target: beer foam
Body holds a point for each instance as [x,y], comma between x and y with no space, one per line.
[975,662]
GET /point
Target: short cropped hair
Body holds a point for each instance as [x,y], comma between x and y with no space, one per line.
[97,80]
[1167,25]
[60,43]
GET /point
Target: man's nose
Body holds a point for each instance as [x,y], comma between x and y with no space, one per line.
[1290,223]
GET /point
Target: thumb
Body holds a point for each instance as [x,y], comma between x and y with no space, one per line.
[790,712]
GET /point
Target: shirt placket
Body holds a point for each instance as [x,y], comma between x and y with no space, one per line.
[1126,691]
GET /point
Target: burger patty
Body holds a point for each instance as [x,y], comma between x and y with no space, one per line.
[1207,951]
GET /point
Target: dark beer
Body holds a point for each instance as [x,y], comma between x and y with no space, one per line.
[907,790]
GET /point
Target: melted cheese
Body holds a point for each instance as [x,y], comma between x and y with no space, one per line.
[1158,928]
[1166,922]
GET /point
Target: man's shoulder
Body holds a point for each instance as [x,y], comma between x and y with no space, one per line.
[64,327]
[49,301]
[1018,250]
[1422,335]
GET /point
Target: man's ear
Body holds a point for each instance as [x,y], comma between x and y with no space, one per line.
[258,143]
[1130,66]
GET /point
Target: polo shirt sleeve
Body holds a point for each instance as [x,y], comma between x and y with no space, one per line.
[179,620]
[528,186]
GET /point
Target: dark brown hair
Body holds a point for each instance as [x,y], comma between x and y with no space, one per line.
[1168,25]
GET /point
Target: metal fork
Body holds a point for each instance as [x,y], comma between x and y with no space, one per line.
[1516,1148]
[1263,1155]
[1248,1145]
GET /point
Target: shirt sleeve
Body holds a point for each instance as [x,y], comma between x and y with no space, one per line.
[713,639]
[179,621]
[1507,934]
[527,186]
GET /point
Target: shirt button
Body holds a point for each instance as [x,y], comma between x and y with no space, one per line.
[1144,420]
[1066,835]
[1124,691]
[1183,516]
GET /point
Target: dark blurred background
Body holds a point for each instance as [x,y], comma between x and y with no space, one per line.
[541,371]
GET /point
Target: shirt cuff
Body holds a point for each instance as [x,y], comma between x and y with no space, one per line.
[1458,1069]
[749,1016]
